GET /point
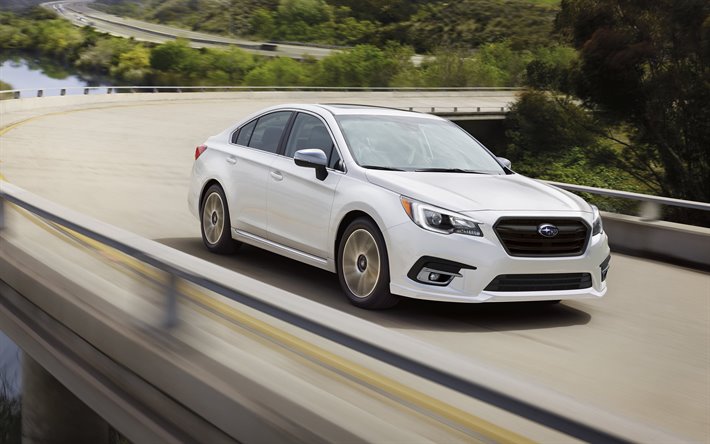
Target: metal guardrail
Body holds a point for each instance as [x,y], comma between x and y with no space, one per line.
[86,90]
[651,208]
[428,365]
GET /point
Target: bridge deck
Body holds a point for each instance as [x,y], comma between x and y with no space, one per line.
[642,352]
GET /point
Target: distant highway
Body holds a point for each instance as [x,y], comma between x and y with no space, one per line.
[80,14]
[642,352]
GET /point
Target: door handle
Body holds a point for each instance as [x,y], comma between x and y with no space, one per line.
[232,160]
[276,175]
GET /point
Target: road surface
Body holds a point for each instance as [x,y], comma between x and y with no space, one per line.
[642,352]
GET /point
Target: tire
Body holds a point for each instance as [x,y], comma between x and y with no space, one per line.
[215,225]
[363,266]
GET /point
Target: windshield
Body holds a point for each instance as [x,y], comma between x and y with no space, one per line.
[414,144]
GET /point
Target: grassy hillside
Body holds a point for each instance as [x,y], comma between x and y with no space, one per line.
[425,25]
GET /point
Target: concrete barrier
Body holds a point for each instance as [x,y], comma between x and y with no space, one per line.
[680,244]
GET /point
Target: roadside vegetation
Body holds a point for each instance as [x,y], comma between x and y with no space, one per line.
[616,92]
[422,24]
[365,65]
[10,413]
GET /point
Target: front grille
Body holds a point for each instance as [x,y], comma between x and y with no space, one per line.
[520,237]
[540,282]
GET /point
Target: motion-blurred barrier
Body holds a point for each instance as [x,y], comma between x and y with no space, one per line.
[434,365]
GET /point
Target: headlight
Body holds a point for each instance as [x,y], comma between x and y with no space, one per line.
[439,220]
[597,221]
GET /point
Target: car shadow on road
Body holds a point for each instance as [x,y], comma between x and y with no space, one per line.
[323,287]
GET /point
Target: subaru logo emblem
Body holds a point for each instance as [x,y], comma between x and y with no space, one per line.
[548,230]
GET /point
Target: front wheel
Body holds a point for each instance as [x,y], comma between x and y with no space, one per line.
[214,222]
[363,266]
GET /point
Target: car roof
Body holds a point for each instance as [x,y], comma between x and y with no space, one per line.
[338,109]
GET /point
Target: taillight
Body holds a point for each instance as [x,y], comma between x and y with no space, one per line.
[199,150]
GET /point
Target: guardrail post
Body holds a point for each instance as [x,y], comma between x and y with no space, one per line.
[2,213]
[650,211]
[478,109]
[40,93]
[16,94]
[456,109]
[86,91]
[109,90]
[63,92]
[171,303]
[433,109]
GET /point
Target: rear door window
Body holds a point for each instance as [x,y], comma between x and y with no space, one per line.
[244,134]
[268,131]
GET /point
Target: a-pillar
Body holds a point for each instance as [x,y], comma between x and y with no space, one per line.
[51,414]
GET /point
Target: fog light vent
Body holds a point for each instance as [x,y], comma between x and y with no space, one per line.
[605,267]
[433,271]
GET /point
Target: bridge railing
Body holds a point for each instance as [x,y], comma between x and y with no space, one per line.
[86,90]
[435,365]
[650,205]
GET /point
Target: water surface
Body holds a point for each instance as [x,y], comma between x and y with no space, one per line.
[28,73]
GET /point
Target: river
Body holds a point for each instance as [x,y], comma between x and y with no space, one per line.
[25,72]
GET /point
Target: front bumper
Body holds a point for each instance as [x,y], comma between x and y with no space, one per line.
[408,243]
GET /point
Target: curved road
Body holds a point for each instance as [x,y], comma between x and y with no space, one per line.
[79,13]
[642,352]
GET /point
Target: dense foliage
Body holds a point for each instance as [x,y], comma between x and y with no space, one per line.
[424,25]
[644,66]
[554,138]
[635,98]
[171,63]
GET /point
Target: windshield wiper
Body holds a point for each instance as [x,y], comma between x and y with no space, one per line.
[448,170]
[380,167]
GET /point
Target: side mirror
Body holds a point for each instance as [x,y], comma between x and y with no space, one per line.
[312,158]
[505,162]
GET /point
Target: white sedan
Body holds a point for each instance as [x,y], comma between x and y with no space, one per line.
[397,204]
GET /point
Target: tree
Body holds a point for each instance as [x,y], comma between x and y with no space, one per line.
[171,56]
[133,65]
[552,137]
[644,67]
[279,71]
[104,54]
[363,65]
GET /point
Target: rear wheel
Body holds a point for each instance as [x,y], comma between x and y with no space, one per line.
[214,222]
[363,266]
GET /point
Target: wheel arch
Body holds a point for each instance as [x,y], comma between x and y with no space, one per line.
[347,219]
[206,186]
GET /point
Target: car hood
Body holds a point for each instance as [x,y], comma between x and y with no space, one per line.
[478,192]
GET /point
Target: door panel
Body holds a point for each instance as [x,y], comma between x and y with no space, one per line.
[248,175]
[299,207]
[249,168]
[299,204]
